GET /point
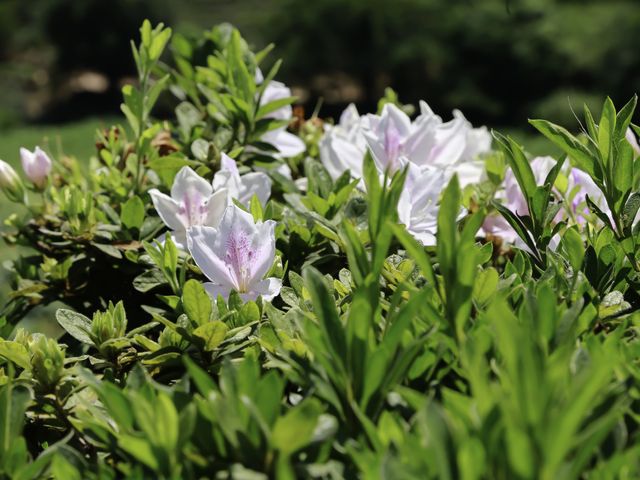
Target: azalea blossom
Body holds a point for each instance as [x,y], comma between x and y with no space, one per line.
[454,144]
[36,165]
[578,185]
[236,256]
[241,187]
[427,141]
[193,202]
[513,199]
[288,144]
[343,146]
[418,205]
[394,140]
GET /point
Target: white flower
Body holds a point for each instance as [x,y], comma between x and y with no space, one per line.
[343,146]
[513,199]
[454,144]
[428,141]
[578,185]
[419,202]
[394,140]
[36,165]
[192,202]
[241,187]
[236,255]
[10,183]
[288,144]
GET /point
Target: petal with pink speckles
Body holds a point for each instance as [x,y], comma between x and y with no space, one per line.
[205,245]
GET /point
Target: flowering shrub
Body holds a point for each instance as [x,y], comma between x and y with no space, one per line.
[252,295]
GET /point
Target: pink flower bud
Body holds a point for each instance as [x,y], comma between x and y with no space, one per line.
[36,165]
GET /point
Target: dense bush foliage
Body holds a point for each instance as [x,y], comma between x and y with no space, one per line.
[253,294]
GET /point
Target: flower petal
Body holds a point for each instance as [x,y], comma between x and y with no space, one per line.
[216,206]
[205,245]
[187,181]
[449,143]
[178,237]
[228,163]
[226,179]
[275,91]
[268,288]
[168,209]
[213,289]
[400,120]
[288,144]
[337,155]
[255,183]
[264,249]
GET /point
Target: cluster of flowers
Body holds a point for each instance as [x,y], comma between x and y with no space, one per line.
[432,150]
[236,253]
[231,249]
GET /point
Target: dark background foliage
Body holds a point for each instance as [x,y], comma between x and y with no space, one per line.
[497,60]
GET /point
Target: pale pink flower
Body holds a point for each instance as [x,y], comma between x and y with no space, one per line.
[236,256]
[241,187]
[36,165]
[192,202]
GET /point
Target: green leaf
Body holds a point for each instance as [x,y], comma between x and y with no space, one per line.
[486,285]
[14,401]
[631,210]
[606,130]
[416,252]
[76,325]
[447,224]
[242,80]
[132,214]
[196,302]
[624,117]
[573,247]
[571,146]
[149,280]
[274,105]
[325,309]
[248,313]
[294,430]
[15,352]
[140,449]
[202,380]
[211,334]
[520,166]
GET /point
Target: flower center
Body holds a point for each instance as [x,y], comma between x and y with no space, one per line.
[194,208]
[239,258]
[392,145]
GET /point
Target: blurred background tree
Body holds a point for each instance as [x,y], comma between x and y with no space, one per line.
[499,61]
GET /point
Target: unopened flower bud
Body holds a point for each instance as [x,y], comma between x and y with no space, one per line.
[36,165]
[47,362]
[10,183]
